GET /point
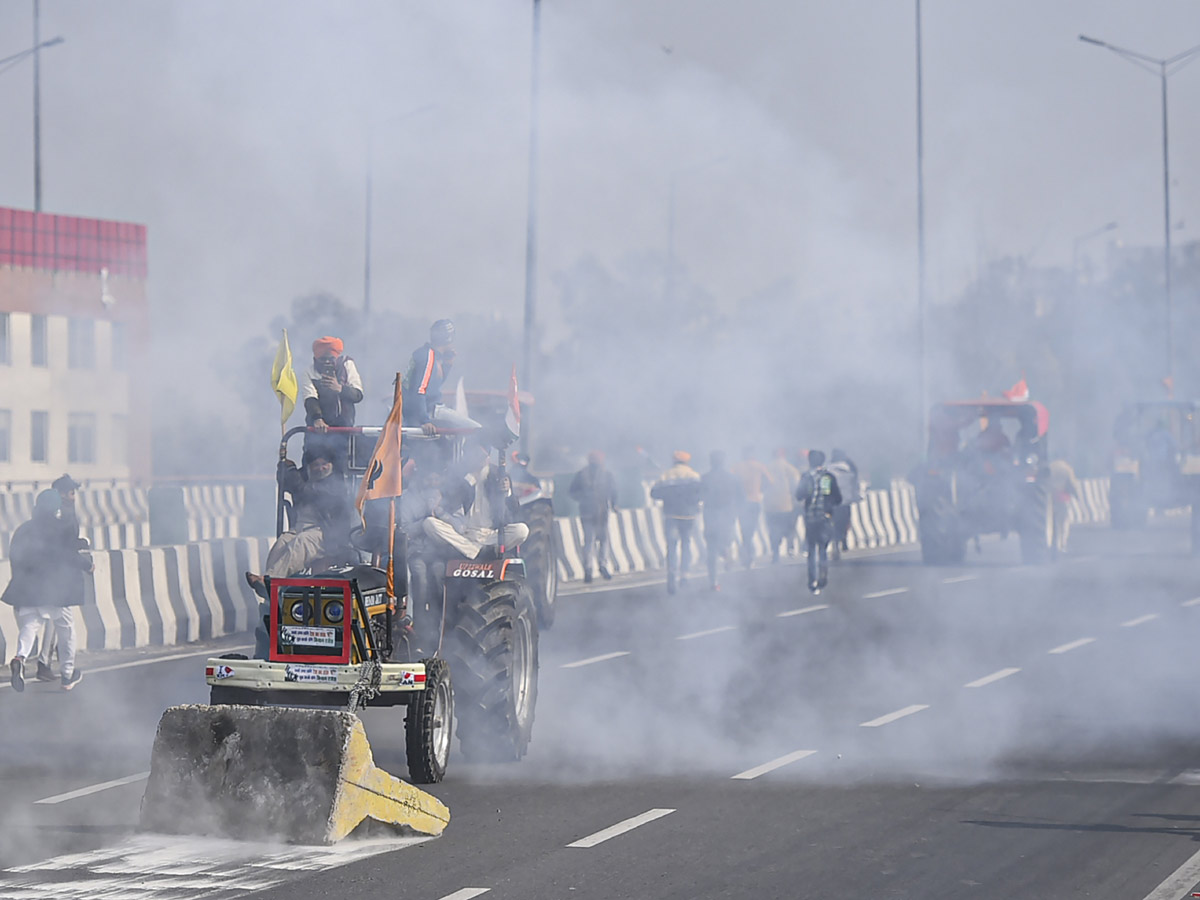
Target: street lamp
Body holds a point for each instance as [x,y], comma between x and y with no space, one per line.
[669,281]
[8,62]
[922,376]
[371,129]
[531,214]
[1164,68]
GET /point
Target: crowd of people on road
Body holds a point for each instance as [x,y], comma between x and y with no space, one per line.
[728,500]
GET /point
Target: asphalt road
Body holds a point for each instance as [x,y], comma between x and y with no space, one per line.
[986,731]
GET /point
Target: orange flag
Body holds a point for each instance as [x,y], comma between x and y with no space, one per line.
[382,477]
[382,480]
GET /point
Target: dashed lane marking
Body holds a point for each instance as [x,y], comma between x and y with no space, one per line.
[94,788]
[595,659]
[988,679]
[959,579]
[466,893]
[1195,601]
[1065,648]
[800,612]
[773,765]
[700,634]
[160,867]
[620,828]
[1140,620]
[890,592]
[892,717]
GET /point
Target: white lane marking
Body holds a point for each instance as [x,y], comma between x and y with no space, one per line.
[700,634]
[1195,601]
[160,867]
[773,765]
[157,659]
[1140,620]
[1064,648]
[800,612]
[466,893]
[94,788]
[988,679]
[888,593]
[892,717]
[595,659]
[620,828]
[1180,882]
[959,579]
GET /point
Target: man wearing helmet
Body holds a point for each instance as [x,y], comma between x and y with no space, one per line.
[426,374]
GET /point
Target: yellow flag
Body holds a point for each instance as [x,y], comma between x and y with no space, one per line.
[283,379]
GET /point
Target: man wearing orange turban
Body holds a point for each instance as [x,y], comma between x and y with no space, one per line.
[331,389]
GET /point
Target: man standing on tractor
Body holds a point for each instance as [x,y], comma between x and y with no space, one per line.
[595,490]
[722,498]
[752,474]
[680,491]
[331,389]
[819,493]
[427,372]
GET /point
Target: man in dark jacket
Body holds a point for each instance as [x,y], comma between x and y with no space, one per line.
[47,580]
[820,496]
[66,487]
[680,491]
[427,372]
[322,518]
[723,498]
[595,490]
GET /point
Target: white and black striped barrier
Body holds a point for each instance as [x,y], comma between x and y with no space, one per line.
[155,596]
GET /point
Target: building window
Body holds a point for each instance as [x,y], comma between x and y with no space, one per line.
[5,348]
[39,436]
[39,350]
[120,440]
[81,438]
[5,435]
[120,345]
[81,343]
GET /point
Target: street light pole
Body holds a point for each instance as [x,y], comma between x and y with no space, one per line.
[1163,68]
[530,330]
[37,110]
[922,377]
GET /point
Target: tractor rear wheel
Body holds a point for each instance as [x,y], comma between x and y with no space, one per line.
[541,559]
[493,655]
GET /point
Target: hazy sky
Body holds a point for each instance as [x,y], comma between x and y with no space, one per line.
[237,132]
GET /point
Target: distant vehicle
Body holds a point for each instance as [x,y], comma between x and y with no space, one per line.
[1156,460]
[986,472]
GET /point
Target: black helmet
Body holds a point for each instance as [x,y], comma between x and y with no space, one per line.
[441,333]
[816,458]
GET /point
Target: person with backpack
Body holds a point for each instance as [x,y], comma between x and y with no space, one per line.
[820,496]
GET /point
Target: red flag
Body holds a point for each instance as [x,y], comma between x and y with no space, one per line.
[1019,392]
[512,417]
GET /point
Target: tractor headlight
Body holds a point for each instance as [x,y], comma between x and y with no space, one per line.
[299,611]
[334,610]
